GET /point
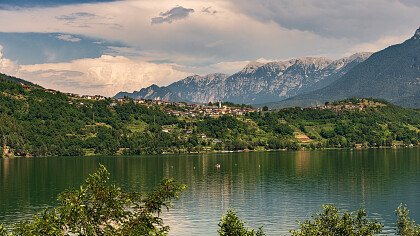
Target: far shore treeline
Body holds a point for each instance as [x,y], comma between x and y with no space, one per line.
[38,122]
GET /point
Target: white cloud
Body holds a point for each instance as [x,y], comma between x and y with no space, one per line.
[225,67]
[105,75]
[214,44]
[378,45]
[7,66]
[68,38]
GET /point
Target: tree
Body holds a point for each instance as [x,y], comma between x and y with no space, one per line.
[265,108]
[100,208]
[3,231]
[406,226]
[332,222]
[10,131]
[231,225]
[283,129]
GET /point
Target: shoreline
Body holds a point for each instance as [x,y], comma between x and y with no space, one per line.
[237,151]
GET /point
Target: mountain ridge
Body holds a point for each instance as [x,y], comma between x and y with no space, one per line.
[257,82]
[392,74]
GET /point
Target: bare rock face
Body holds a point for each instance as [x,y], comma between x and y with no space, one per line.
[201,89]
[152,92]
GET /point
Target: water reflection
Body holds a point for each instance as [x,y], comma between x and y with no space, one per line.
[270,189]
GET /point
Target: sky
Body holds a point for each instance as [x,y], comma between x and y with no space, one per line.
[104,46]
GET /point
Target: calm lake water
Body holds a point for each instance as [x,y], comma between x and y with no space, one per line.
[271,189]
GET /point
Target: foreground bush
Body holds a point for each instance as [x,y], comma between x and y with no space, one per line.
[231,225]
[406,226]
[3,231]
[332,222]
[100,208]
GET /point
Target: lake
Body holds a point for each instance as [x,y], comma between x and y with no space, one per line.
[273,189]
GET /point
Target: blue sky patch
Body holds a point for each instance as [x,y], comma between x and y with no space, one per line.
[46,3]
[34,48]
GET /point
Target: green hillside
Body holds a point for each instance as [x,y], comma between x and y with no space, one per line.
[37,122]
[24,83]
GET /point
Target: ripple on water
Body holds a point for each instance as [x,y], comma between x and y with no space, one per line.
[270,189]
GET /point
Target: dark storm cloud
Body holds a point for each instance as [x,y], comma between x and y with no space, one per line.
[176,13]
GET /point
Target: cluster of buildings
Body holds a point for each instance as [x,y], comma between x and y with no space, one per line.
[357,105]
[194,110]
[173,108]
[88,97]
[185,109]
[77,96]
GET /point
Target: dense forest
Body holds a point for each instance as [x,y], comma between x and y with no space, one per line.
[38,122]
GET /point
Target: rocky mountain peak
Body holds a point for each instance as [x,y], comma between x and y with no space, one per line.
[252,66]
[361,55]
[194,77]
[417,34]
[197,78]
[154,86]
[217,75]
[318,62]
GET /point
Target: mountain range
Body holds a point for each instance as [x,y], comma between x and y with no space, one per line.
[255,83]
[392,74]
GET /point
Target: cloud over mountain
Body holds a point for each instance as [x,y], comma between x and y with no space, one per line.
[105,75]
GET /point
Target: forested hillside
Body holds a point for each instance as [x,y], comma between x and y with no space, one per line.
[37,122]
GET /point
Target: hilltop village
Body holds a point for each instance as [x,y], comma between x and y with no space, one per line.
[219,108]
[177,109]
